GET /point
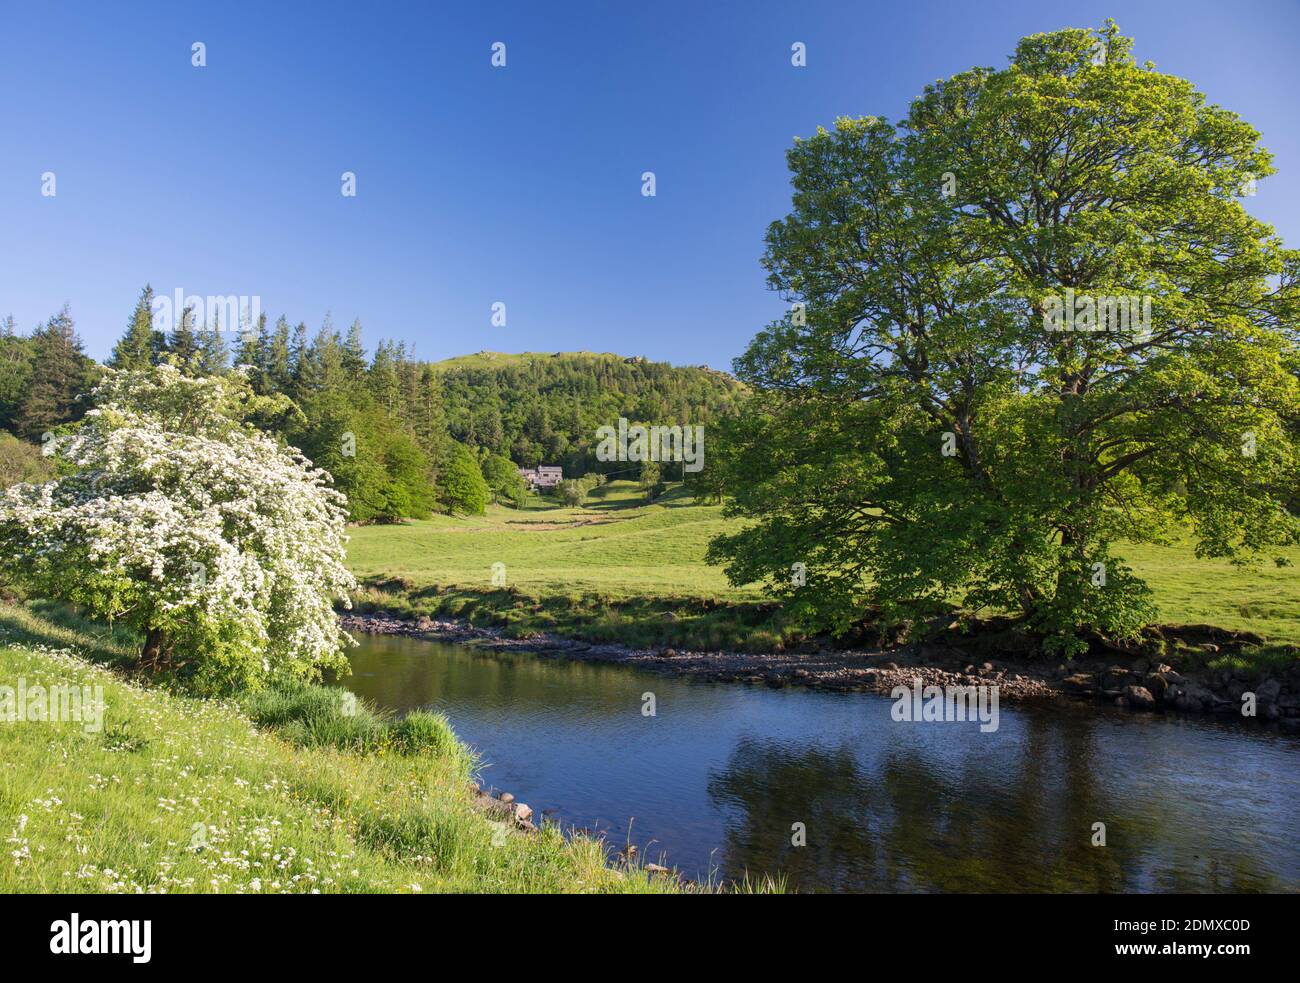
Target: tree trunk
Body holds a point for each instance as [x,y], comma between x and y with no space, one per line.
[157,653]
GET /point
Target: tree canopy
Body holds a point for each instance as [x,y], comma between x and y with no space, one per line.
[928,427]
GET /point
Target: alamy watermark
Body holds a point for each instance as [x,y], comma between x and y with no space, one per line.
[653,443]
[60,703]
[1087,313]
[102,936]
[945,704]
[229,310]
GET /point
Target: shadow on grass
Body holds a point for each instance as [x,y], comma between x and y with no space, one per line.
[639,622]
[53,625]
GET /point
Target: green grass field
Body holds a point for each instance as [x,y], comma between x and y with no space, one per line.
[616,569]
[619,569]
[174,794]
[616,545]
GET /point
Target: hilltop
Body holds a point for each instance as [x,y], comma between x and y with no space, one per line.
[490,359]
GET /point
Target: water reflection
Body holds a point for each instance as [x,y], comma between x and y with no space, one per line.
[717,778]
[897,823]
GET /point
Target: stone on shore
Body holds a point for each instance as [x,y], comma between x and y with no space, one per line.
[1268,691]
[1157,684]
[1139,697]
[1080,684]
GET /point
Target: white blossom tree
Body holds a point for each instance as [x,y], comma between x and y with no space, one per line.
[224,549]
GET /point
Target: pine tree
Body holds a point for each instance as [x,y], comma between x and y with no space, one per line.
[354,353]
[183,343]
[384,383]
[246,351]
[279,362]
[298,354]
[61,378]
[212,349]
[138,347]
[319,370]
[261,353]
[429,419]
[15,371]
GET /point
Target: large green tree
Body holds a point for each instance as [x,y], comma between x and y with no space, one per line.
[372,460]
[461,486]
[503,478]
[930,423]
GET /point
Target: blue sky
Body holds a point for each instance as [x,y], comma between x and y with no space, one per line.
[477,185]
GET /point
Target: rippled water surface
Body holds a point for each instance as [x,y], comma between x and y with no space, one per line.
[717,778]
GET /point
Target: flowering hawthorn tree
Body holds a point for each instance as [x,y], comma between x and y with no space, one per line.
[222,548]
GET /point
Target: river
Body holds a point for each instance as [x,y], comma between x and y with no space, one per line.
[718,779]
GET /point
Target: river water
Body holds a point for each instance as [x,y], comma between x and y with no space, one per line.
[717,779]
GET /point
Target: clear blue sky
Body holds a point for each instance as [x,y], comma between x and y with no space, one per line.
[477,184]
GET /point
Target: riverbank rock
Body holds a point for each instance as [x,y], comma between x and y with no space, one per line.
[1139,697]
[506,811]
[1116,678]
[1192,696]
[1267,692]
[1157,685]
[1080,684]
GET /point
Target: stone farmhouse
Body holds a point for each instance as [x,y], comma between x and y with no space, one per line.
[543,477]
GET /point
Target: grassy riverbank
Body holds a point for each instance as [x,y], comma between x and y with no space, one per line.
[176,794]
[622,570]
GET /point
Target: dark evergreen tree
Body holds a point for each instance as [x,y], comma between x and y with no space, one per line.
[279,362]
[354,353]
[248,351]
[384,383]
[298,350]
[428,419]
[213,353]
[138,348]
[183,343]
[61,378]
[15,372]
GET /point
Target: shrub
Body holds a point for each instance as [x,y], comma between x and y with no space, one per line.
[222,548]
[425,732]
